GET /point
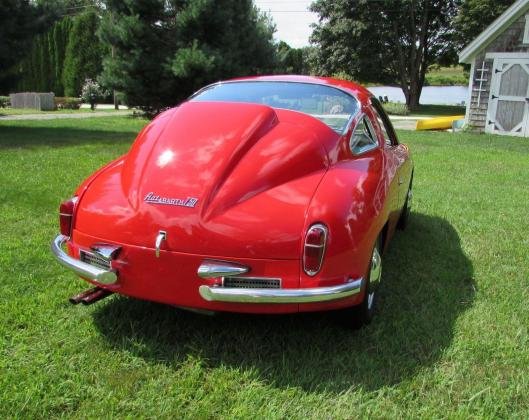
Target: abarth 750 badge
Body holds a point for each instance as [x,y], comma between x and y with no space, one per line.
[152,198]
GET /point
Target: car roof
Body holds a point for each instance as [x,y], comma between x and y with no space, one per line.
[350,87]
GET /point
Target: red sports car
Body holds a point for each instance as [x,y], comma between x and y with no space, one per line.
[265,195]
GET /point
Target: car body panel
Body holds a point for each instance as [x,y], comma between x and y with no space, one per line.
[243,179]
[261,177]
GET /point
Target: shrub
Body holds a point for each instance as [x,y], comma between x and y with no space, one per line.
[67,103]
[5,101]
[396,108]
[342,75]
[92,92]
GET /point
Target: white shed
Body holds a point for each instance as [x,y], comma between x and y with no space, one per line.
[499,77]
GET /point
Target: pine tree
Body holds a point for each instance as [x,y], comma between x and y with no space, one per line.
[166,49]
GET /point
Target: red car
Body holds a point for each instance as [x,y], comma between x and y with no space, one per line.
[261,195]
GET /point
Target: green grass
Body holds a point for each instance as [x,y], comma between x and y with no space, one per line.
[438,110]
[400,109]
[450,339]
[447,76]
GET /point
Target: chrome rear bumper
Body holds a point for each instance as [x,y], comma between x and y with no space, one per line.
[316,294]
[218,294]
[79,267]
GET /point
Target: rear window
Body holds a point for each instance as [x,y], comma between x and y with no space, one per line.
[329,105]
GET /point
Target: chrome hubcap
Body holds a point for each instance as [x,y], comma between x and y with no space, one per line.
[375,275]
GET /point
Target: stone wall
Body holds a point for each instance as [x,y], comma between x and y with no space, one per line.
[32,100]
[511,40]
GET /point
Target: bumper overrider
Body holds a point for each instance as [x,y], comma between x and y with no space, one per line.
[215,293]
[79,267]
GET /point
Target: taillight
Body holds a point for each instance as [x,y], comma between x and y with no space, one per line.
[314,248]
[66,211]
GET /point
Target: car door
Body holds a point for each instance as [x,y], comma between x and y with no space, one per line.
[396,156]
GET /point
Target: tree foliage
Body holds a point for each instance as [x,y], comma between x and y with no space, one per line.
[385,40]
[163,50]
[20,21]
[84,53]
[292,60]
[474,16]
[61,59]
[41,70]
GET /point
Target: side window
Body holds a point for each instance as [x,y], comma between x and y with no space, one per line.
[390,138]
[362,138]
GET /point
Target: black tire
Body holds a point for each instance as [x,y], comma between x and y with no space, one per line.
[404,219]
[362,314]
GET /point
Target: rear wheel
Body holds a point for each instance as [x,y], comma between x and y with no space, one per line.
[362,314]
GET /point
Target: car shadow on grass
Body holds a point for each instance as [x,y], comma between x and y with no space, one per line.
[13,136]
[427,286]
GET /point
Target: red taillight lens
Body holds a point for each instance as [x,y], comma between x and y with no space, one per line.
[314,249]
[66,210]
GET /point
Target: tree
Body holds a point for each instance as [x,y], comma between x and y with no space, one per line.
[166,49]
[83,58]
[290,59]
[20,21]
[474,16]
[41,69]
[60,36]
[384,41]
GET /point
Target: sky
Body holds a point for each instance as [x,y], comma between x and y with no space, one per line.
[292,19]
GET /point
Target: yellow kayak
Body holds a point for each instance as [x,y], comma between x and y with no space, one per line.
[438,123]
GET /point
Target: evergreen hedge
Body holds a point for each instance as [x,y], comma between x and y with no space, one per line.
[61,59]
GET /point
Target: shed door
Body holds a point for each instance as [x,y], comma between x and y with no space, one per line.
[509,97]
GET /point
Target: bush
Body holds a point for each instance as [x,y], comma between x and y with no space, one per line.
[396,108]
[5,101]
[92,92]
[341,75]
[67,103]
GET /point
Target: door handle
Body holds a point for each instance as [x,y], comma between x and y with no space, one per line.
[162,236]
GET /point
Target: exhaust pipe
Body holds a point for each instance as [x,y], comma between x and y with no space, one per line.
[75,300]
[95,297]
[90,296]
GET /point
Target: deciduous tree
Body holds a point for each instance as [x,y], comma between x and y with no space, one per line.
[290,60]
[474,16]
[384,40]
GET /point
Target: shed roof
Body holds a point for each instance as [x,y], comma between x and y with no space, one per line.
[495,28]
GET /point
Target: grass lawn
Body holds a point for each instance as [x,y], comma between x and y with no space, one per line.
[399,109]
[447,76]
[438,111]
[450,339]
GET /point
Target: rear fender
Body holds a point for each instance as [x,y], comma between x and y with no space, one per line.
[351,201]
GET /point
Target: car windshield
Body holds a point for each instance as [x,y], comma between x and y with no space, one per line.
[328,104]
